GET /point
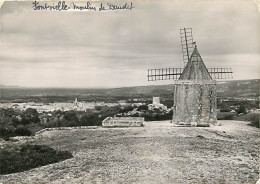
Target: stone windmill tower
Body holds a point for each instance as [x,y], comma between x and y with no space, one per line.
[195,94]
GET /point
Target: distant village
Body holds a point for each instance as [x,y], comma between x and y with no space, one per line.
[77,105]
[62,106]
[90,113]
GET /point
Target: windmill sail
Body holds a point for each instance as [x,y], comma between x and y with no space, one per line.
[186,44]
[175,73]
[194,67]
[164,74]
[221,73]
[194,94]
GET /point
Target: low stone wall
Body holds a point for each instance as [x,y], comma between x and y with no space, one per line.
[123,122]
[66,128]
[21,138]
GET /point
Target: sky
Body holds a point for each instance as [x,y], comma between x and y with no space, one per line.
[84,49]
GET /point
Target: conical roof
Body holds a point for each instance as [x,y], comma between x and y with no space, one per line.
[195,68]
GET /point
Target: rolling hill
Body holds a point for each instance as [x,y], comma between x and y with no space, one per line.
[234,88]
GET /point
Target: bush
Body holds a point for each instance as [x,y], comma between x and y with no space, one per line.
[28,156]
[70,116]
[225,115]
[223,107]
[255,124]
[6,132]
[241,109]
[22,131]
[30,116]
[142,107]
[126,109]
[90,120]
[229,117]
[157,115]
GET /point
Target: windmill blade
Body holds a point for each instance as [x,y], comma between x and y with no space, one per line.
[164,74]
[186,44]
[220,73]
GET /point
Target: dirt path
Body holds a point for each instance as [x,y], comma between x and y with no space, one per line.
[156,153]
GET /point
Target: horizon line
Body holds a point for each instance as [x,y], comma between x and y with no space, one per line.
[105,87]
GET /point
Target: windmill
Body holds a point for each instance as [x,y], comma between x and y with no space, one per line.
[195,95]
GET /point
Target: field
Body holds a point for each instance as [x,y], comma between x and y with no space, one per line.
[156,153]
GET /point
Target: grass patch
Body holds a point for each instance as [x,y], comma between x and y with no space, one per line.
[26,157]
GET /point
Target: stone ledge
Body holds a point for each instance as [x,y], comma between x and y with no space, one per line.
[66,128]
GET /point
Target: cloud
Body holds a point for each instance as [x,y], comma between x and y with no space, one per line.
[84,48]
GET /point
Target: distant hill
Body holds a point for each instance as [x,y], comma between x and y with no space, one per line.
[233,88]
[4,86]
[239,88]
[147,90]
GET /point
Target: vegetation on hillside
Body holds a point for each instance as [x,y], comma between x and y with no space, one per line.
[26,123]
[25,157]
[156,114]
[79,118]
[17,123]
[252,117]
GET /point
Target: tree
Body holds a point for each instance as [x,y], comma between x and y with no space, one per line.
[70,119]
[241,109]
[98,108]
[224,107]
[142,107]
[7,115]
[30,115]
[90,120]
[70,116]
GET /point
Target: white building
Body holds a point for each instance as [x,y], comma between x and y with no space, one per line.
[156,100]
[156,104]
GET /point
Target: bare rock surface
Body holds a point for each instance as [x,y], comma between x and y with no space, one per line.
[156,153]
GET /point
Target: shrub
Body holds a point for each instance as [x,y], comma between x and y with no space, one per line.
[126,109]
[224,107]
[228,117]
[157,115]
[70,116]
[28,156]
[225,117]
[241,109]
[6,132]
[90,120]
[30,116]
[255,124]
[142,107]
[22,131]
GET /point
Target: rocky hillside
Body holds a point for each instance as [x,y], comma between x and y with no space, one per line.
[155,153]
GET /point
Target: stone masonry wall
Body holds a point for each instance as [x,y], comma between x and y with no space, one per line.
[195,103]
